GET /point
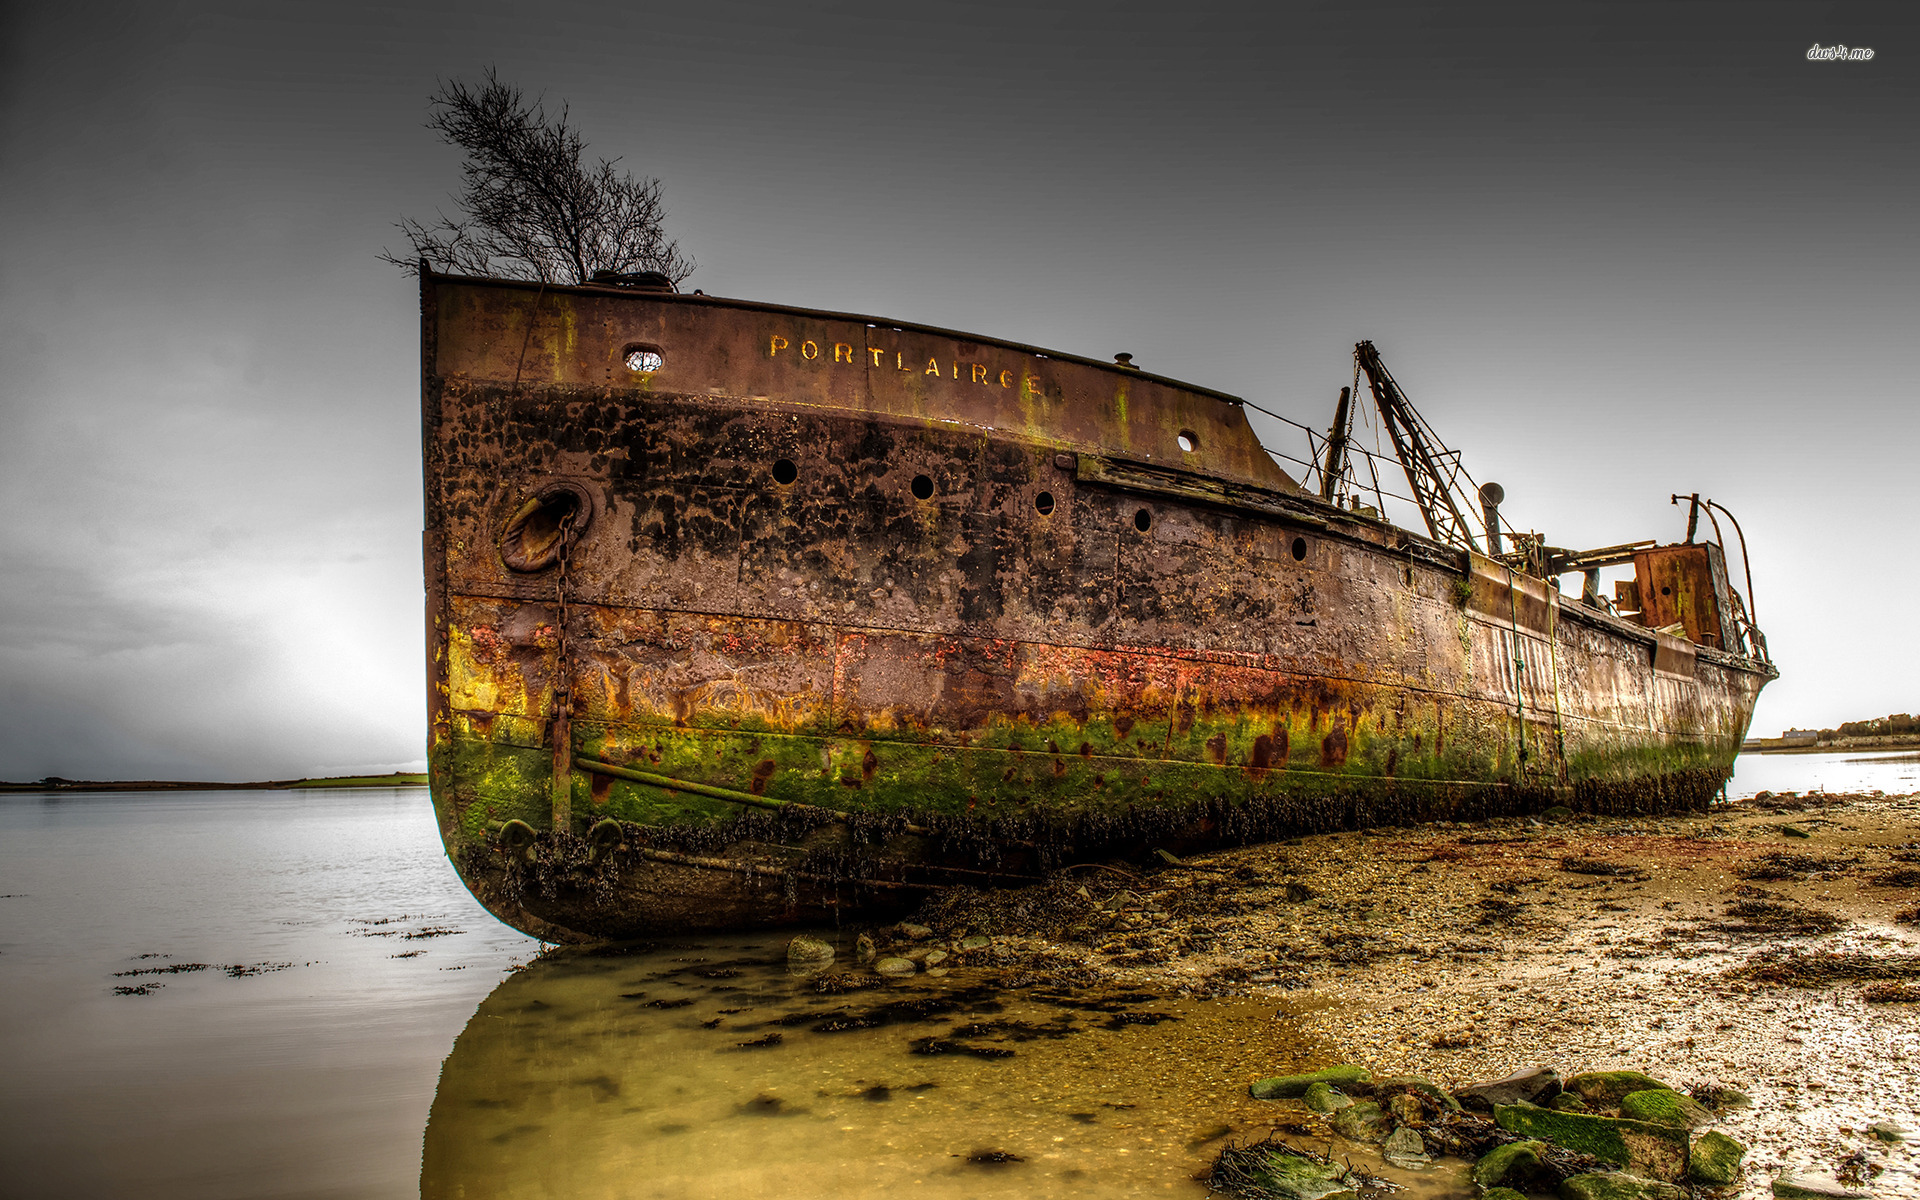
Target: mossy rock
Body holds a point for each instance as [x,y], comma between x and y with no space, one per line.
[1501,1194]
[1289,1177]
[1657,1151]
[1664,1107]
[1292,1087]
[804,949]
[1515,1160]
[1610,1185]
[1607,1087]
[1431,1094]
[1715,1160]
[1568,1102]
[1363,1121]
[1323,1097]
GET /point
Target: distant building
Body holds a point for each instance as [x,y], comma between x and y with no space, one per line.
[1800,735]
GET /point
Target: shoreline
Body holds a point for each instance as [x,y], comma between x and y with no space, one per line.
[61,786]
[1889,745]
[1772,946]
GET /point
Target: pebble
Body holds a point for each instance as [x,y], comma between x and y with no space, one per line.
[895,966]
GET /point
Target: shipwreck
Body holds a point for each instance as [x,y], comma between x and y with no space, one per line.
[741,614]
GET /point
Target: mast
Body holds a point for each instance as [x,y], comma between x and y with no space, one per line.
[1336,464]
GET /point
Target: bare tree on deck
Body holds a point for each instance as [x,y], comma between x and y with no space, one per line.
[530,208]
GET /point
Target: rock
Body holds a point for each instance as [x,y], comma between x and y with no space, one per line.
[935,957]
[1558,812]
[1404,1108]
[804,949]
[914,933]
[1717,1095]
[1290,1177]
[1664,1107]
[939,972]
[1616,1185]
[1794,831]
[863,950]
[1431,1094]
[1323,1097]
[1657,1151]
[1292,1087]
[1515,1160]
[1535,1085]
[1405,1149]
[1607,1087]
[1887,1131]
[1568,1102]
[1501,1194]
[1299,893]
[1362,1121]
[1792,1186]
[895,966]
[1715,1160]
[978,941]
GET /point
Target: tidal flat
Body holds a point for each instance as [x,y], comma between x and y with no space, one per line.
[242,994]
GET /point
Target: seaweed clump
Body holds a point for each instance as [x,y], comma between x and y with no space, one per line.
[1264,1170]
[1794,969]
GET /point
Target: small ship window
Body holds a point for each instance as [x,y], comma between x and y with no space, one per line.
[784,472]
[644,359]
[1299,549]
[1043,503]
[1143,520]
[1666,591]
[922,488]
[1189,440]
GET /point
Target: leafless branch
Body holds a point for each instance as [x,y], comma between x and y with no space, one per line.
[529,208]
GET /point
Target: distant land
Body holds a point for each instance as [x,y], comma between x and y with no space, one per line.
[1900,731]
[54,783]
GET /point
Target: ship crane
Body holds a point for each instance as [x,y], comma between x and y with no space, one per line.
[1433,471]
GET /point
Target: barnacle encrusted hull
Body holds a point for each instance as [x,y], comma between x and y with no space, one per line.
[741,614]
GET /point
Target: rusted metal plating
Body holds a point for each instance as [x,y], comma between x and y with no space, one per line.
[955,601]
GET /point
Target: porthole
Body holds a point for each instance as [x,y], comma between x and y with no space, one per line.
[1043,503]
[922,488]
[1299,549]
[1189,441]
[1143,520]
[1666,591]
[784,472]
[644,359]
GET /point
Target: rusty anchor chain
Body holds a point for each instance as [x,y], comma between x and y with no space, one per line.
[560,727]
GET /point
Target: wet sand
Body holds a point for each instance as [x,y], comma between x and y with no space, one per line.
[1709,949]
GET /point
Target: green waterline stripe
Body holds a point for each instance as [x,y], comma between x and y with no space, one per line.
[680,785]
[766,802]
[668,783]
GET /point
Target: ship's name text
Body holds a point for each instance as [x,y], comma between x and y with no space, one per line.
[841,352]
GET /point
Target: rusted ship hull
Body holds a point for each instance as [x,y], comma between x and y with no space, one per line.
[741,614]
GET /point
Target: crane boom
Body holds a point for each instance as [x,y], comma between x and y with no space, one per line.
[1421,454]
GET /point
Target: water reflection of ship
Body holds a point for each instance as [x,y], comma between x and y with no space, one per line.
[710,1070]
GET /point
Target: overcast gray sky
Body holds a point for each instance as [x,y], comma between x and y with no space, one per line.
[1612,251]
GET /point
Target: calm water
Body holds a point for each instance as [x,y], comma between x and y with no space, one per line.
[1849,772]
[335,973]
